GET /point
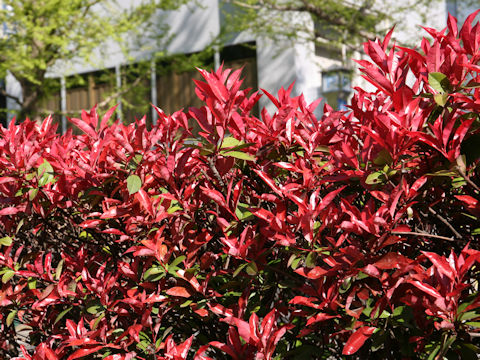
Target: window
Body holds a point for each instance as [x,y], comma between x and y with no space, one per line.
[336,87]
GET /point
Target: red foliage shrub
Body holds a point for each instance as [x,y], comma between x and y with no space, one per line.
[282,236]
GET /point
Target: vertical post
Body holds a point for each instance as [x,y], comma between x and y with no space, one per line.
[91,91]
[216,58]
[63,103]
[452,7]
[153,87]
[118,77]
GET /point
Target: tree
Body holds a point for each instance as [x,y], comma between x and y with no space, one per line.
[39,34]
[336,22]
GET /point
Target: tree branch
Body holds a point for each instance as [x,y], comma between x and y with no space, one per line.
[120,92]
[446,222]
[424,234]
[14,98]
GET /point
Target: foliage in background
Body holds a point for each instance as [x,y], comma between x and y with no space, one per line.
[282,236]
[37,34]
[335,23]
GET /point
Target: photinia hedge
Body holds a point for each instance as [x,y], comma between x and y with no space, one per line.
[283,236]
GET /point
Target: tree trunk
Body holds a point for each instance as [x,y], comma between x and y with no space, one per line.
[30,101]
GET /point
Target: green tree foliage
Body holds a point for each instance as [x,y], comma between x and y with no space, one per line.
[336,22]
[40,33]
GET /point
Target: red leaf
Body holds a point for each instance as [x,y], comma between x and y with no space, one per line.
[183,348]
[91,223]
[327,199]
[392,260]
[142,197]
[467,199]
[106,117]
[178,291]
[269,182]
[225,348]
[6,179]
[263,214]
[86,128]
[441,264]
[84,352]
[9,211]
[111,213]
[319,318]
[215,196]
[315,273]
[44,351]
[357,339]
[425,288]
[216,86]
[243,328]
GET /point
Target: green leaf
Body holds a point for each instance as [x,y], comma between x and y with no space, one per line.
[451,339]
[469,315]
[94,307]
[311,259]
[62,314]
[230,141]
[374,178]
[239,155]
[58,271]
[251,269]
[98,319]
[441,99]
[458,182]
[134,183]
[19,226]
[6,241]
[469,351]
[32,283]
[444,172]
[295,263]
[7,275]
[439,82]
[434,353]
[186,303]
[33,194]
[239,269]
[242,212]
[177,261]
[383,158]
[45,173]
[153,274]
[174,206]
[11,316]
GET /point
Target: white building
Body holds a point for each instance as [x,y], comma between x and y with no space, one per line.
[317,71]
